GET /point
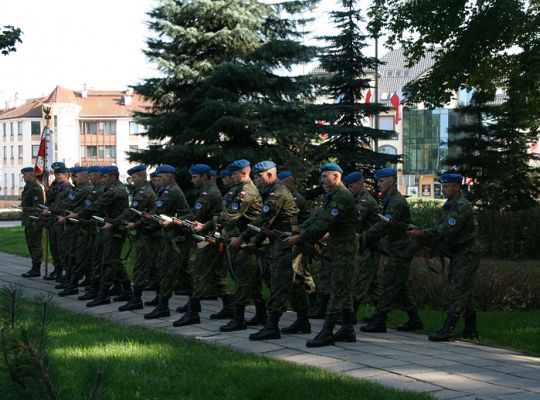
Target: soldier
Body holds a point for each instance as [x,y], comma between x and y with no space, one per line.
[226,179]
[207,272]
[242,205]
[50,196]
[154,181]
[111,204]
[143,199]
[395,291]
[32,196]
[175,248]
[287,178]
[456,232]
[338,218]
[365,288]
[74,202]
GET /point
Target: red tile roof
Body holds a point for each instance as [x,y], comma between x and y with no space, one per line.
[62,95]
[30,109]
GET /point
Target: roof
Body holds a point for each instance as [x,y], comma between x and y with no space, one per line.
[97,104]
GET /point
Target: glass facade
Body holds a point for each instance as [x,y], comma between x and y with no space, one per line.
[425,140]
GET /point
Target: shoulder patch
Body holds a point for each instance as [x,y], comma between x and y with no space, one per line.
[88,202]
[452,221]
[135,203]
[159,203]
[198,205]
[334,211]
[36,197]
[234,206]
[266,208]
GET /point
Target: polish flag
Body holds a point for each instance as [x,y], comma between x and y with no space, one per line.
[42,159]
[368,97]
[394,100]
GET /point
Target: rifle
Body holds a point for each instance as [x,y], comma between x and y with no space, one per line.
[30,210]
[86,222]
[269,232]
[119,223]
[205,240]
[146,215]
[53,210]
[398,224]
[39,218]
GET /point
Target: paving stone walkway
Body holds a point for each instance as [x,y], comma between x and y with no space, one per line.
[457,370]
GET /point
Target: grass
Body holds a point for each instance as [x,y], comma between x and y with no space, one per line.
[518,330]
[152,365]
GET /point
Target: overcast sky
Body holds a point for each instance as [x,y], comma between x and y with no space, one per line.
[73,42]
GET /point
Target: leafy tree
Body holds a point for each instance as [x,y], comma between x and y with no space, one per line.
[350,139]
[9,37]
[220,97]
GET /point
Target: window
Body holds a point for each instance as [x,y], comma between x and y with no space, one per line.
[12,180]
[20,152]
[133,128]
[90,128]
[35,127]
[4,129]
[5,152]
[101,151]
[91,151]
[388,150]
[110,151]
[20,128]
[35,150]
[385,96]
[388,124]
[12,152]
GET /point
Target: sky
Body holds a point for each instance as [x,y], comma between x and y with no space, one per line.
[75,42]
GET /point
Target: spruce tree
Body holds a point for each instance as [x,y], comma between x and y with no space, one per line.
[221,97]
[350,139]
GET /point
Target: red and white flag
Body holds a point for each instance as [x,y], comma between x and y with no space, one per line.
[394,100]
[43,160]
[368,96]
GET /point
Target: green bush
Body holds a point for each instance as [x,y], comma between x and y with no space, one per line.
[10,215]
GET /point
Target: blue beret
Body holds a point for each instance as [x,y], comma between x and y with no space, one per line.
[94,168]
[108,169]
[353,177]
[136,168]
[331,166]
[58,164]
[225,173]
[238,165]
[284,174]
[153,174]
[213,173]
[61,170]
[27,169]
[384,172]
[76,170]
[165,169]
[263,166]
[200,169]
[451,178]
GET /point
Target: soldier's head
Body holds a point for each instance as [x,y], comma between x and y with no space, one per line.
[240,169]
[266,171]
[154,178]
[79,175]
[226,177]
[386,180]
[57,164]
[166,173]
[61,174]
[287,178]
[330,176]
[29,175]
[451,185]
[137,174]
[355,183]
[110,174]
[201,174]
[94,172]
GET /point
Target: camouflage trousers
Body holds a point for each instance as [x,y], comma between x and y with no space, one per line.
[366,286]
[112,269]
[53,246]
[83,253]
[69,246]
[173,263]
[145,258]
[208,273]
[33,235]
[247,277]
[340,268]
[395,290]
[461,277]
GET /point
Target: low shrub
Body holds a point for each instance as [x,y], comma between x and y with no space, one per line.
[10,215]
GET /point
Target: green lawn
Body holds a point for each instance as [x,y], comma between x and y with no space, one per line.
[513,329]
[142,364]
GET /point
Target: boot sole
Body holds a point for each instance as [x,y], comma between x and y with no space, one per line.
[161,315]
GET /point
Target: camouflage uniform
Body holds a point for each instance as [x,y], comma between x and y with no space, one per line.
[32,196]
[50,196]
[64,189]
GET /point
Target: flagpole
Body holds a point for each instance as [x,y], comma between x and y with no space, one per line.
[376,120]
[47,111]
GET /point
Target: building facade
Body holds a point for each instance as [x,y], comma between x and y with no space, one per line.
[89,127]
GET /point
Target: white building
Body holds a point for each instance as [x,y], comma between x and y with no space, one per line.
[89,127]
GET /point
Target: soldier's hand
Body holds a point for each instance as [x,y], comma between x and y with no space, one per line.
[197,227]
[291,240]
[236,242]
[45,213]
[415,232]
[326,236]
[130,225]
[61,220]
[71,214]
[164,223]
[107,226]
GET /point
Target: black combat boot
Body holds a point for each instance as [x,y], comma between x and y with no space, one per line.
[71,289]
[446,333]
[413,323]
[238,323]
[320,311]
[102,298]
[209,296]
[469,331]
[184,308]
[260,316]
[92,291]
[84,282]
[161,310]
[126,292]
[191,317]
[53,275]
[377,324]
[325,337]
[227,311]
[270,330]
[346,333]
[135,303]
[301,325]
[154,302]
[34,272]
[64,281]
